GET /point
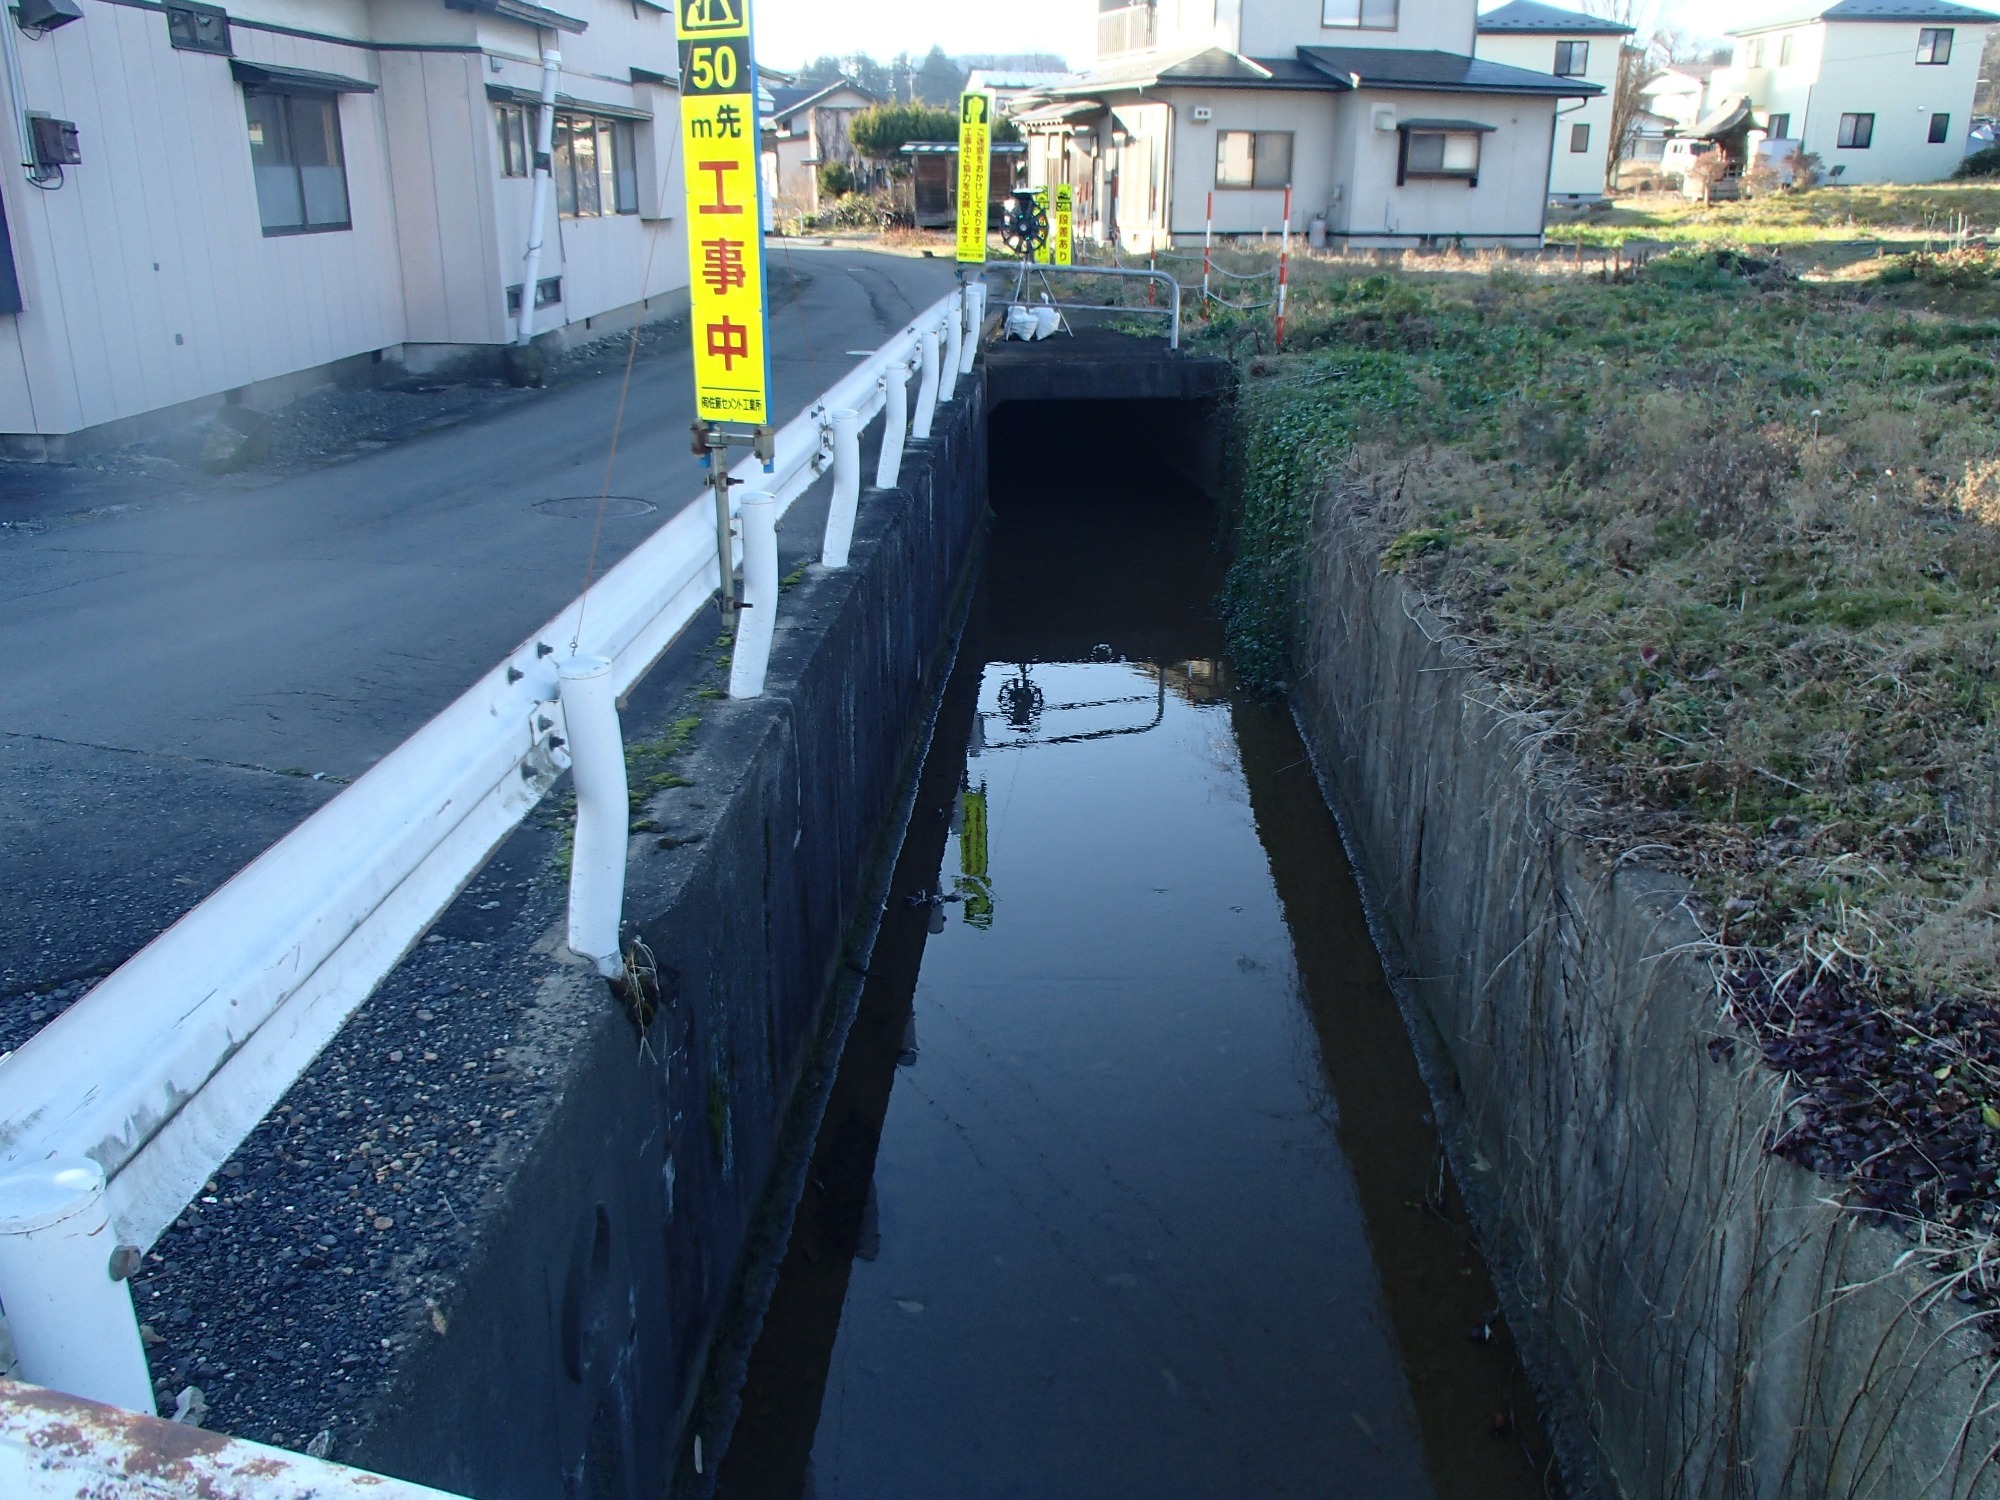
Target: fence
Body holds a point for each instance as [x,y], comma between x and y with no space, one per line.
[116,1113]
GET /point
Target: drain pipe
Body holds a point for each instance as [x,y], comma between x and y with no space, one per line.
[927,388]
[895,424]
[755,627]
[545,142]
[603,811]
[954,335]
[17,87]
[846,485]
[69,1310]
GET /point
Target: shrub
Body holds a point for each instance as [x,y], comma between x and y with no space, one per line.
[1983,163]
[836,179]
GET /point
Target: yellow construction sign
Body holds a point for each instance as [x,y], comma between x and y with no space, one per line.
[725,219]
[1042,226]
[1062,225]
[975,165]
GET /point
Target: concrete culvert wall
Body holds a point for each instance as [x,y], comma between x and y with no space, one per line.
[1707,1319]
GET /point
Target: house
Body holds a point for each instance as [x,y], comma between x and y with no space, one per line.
[235,205]
[934,180]
[1679,94]
[1376,114]
[1550,38]
[809,131]
[1879,90]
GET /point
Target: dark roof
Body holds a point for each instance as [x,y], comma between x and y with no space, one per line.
[1874,10]
[789,101]
[298,80]
[1436,72]
[1532,18]
[1444,125]
[1214,67]
[950,148]
[1731,115]
[520,10]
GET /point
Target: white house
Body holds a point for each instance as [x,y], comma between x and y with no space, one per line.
[1879,90]
[1375,113]
[234,205]
[1679,95]
[809,131]
[1549,38]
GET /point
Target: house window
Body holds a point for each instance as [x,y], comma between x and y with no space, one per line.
[1786,50]
[1439,153]
[1753,53]
[198,28]
[596,168]
[548,292]
[515,124]
[296,158]
[1856,132]
[1579,139]
[1940,129]
[1572,59]
[1253,158]
[1780,128]
[1367,15]
[1934,46]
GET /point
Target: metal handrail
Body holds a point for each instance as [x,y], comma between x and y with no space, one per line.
[122,1107]
[1172,312]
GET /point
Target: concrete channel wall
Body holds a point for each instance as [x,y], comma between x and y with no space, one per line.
[581,1333]
[1705,1320]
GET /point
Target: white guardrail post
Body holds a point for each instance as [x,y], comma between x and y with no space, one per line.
[115,1113]
[927,387]
[751,655]
[55,1446]
[603,811]
[846,499]
[895,424]
[69,1316]
[975,319]
[954,336]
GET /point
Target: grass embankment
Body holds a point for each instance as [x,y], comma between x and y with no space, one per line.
[1728,543]
[1889,215]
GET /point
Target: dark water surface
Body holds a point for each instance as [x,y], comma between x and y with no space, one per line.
[1127,1185]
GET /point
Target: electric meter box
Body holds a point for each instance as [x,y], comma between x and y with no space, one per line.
[54,141]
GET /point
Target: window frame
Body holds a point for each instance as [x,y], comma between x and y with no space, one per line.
[1566,59]
[1579,138]
[1779,128]
[1290,138]
[608,172]
[1788,49]
[1361,21]
[185,41]
[511,125]
[1931,40]
[1940,131]
[289,98]
[1856,132]
[1406,136]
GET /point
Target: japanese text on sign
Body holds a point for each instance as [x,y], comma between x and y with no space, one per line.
[724,212]
[1062,224]
[975,139]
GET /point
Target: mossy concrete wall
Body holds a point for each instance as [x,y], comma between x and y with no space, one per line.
[1706,1319]
[588,1306]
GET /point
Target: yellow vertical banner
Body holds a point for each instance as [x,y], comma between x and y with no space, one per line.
[1062,225]
[732,367]
[1042,225]
[975,165]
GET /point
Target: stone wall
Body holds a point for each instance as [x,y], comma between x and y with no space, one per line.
[1705,1320]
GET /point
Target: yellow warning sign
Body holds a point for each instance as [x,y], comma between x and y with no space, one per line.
[732,375]
[1042,226]
[975,142]
[1062,225]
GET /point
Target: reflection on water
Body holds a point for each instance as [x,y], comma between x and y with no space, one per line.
[1117,1143]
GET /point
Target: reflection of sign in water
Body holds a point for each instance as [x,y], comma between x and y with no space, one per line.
[724,218]
[973,882]
[1062,224]
[975,141]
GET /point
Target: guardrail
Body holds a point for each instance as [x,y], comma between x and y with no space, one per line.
[1171,312]
[115,1114]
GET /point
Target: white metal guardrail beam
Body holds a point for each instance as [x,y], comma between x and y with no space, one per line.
[116,1113]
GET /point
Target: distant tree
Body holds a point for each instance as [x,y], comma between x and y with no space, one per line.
[883,131]
[855,67]
[1013,62]
[939,79]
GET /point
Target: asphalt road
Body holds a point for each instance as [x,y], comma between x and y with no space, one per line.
[185,656]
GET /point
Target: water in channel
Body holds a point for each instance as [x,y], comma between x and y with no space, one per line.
[1127,1184]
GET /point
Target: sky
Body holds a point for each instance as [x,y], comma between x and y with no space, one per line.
[791,32]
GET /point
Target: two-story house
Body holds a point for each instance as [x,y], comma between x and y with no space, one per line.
[1551,38]
[1376,114]
[233,204]
[1879,90]
[809,131]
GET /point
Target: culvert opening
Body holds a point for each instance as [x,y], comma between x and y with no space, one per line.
[1127,1183]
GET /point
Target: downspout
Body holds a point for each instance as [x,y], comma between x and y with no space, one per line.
[1542,230]
[17,88]
[545,139]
